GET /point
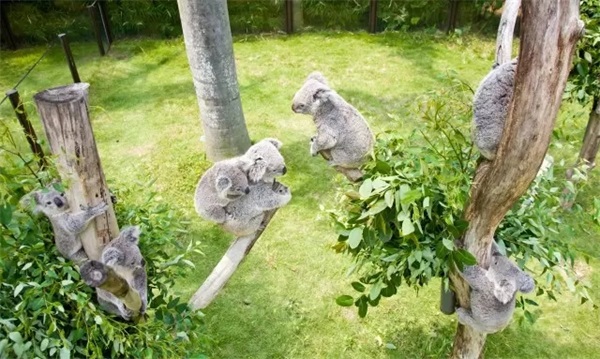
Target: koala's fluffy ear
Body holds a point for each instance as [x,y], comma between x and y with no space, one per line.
[317,76]
[505,290]
[222,183]
[37,197]
[319,94]
[258,169]
[131,234]
[275,142]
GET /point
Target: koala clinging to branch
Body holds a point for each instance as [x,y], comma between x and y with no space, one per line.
[490,108]
[343,135]
[267,161]
[493,293]
[245,215]
[224,182]
[66,223]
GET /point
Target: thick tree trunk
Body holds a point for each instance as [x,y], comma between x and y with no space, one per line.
[549,33]
[209,49]
[506,30]
[591,140]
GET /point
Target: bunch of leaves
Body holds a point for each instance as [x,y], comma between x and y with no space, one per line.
[584,80]
[48,311]
[402,221]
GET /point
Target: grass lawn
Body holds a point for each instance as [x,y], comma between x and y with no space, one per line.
[281,301]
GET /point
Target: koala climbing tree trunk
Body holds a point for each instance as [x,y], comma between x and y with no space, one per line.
[209,47]
[549,33]
[219,276]
[64,114]
[506,30]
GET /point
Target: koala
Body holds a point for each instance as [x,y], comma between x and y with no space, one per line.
[66,223]
[123,255]
[343,136]
[224,182]
[493,293]
[245,215]
[490,108]
[268,162]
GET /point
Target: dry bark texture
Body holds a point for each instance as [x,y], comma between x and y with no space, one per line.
[506,31]
[549,32]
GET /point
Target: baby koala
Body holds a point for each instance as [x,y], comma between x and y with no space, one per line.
[343,136]
[66,223]
[224,182]
[245,216]
[493,293]
[268,162]
[490,108]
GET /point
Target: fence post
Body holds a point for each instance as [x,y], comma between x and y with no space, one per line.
[6,28]
[17,104]
[64,114]
[373,16]
[288,7]
[69,55]
[95,14]
[106,21]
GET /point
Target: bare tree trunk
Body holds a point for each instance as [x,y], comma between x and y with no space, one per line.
[298,15]
[452,16]
[591,140]
[549,33]
[506,30]
[209,49]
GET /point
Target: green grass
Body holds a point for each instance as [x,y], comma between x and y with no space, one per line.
[281,301]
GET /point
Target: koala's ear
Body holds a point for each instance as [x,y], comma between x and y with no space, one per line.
[258,169]
[319,94]
[275,142]
[317,76]
[505,290]
[37,197]
[222,183]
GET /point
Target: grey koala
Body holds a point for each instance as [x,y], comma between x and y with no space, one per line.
[490,108]
[268,162]
[66,223]
[224,182]
[123,255]
[493,293]
[343,135]
[245,215]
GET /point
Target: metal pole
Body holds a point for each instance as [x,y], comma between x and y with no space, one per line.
[69,55]
[94,14]
[17,104]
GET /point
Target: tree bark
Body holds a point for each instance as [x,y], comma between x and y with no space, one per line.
[549,33]
[591,139]
[64,114]
[506,30]
[209,47]
[297,15]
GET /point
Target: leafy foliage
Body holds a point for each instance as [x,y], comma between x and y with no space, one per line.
[48,311]
[402,223]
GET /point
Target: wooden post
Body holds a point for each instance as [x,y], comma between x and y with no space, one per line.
[6,29]
[373,16]
[288,8]
[64,114]
[95,15]
[506,30]
[297,16]
[17,104]
[219,276]
[69,56]
[106,21]
[548,37]
[452,16]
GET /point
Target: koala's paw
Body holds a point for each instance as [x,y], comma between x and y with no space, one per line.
[313,147]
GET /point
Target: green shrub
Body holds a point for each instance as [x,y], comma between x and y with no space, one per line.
[401,224]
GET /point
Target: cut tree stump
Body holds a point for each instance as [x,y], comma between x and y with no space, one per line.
[228,264]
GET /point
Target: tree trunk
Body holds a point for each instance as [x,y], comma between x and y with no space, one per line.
[297,15]
[64,114]
[209,49]
[506,30]
[549,33]
[591,140]
[452,16]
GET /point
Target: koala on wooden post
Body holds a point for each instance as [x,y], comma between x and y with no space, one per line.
[66,223]
[224,182]
[343,136]
[490,108]
[245,215]
[267,161]
[493,293]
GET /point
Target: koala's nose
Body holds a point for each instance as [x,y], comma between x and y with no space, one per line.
[293,107]
[58,202]
[284,171]
[247,190]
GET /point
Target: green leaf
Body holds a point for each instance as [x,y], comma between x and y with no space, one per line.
[65,353]
[465,257]
[389,199]
[588,57]
[448,244]
[355,237]
[6,213]
[44,344]
[15,337]
[98,319]
[18,289]
[344,300]
[390,346]
[359,287]
[407,227]
[379,184]
[375,290]
[362,307]
[366,188]
[27,266]
[377,207]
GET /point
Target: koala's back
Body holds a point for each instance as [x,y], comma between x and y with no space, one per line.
[490,108]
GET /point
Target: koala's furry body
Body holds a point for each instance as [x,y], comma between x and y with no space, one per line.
[224,182]
[123,255]
[267,161]
[66,223]
[493,293]
[245,215]
[490,108]
[343,134]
